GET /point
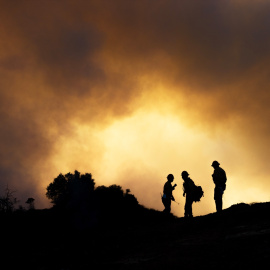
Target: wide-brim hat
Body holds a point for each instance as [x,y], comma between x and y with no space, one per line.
[214,163]
[185,173]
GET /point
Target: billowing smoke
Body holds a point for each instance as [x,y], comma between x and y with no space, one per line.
[134,90]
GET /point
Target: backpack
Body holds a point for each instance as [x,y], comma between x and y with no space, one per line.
[197,194]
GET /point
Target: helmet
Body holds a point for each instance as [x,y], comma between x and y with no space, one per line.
[184,173]
[215,163]
[170,177]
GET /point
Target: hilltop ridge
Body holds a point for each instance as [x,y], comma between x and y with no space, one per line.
[43,239]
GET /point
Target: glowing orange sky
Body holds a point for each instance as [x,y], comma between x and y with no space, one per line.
[131,91]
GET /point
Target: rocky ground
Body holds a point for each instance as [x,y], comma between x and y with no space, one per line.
[238,238]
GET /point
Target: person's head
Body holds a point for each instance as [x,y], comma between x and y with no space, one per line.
[215,164]
[184,174]
[170,177]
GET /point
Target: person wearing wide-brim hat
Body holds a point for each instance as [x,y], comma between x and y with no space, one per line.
[188,188]
[219,179]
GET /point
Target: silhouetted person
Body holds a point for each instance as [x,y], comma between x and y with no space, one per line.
[219,179]
[188,188]
[167,194]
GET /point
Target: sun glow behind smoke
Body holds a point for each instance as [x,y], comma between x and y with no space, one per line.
[138,152]
[134,91]
[143,149]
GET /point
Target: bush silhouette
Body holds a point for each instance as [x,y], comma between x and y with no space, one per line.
[76,195]
[30,202]
[114,205]
[69,191]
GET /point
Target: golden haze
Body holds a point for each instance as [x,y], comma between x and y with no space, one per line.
[135,91]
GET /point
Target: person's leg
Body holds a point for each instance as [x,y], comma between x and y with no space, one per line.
[219,204]
[218,198]
[191,214]
[190,201]
[188,206]
[167,205]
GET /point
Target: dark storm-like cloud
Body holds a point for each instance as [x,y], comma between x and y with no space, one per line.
[23,146]
[83,60]
[68,56]
[209,42]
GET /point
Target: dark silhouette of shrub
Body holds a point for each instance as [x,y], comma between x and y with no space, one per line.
[71,191]
[30,202]
[8,201]
[112,203]
[76,195]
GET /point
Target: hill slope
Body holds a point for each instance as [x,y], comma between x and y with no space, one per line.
[44,239]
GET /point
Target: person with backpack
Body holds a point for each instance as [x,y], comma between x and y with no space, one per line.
[219,179]
[189,189]
[167,194]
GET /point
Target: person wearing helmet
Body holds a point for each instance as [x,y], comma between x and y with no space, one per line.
[167,194]
[219,179]
[188,188]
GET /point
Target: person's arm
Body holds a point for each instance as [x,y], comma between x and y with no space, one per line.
[225,176]
[214,176]
[172,188]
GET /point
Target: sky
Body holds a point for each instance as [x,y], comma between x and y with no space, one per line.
[131,91]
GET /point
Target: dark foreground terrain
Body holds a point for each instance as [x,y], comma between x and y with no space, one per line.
[239,238]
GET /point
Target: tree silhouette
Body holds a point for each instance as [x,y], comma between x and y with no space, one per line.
[30,201]
[85,205]
[112,203]
[71,190]
[57,191]
[109,197]
[8,201]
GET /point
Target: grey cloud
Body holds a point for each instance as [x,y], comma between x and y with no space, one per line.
[85,60]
